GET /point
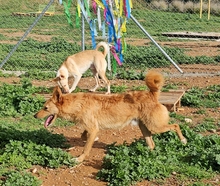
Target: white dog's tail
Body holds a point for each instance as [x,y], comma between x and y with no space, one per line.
[105,46]
[154,80]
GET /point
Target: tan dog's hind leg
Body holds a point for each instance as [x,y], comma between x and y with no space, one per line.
[174,127]
[88,146]
[147,135]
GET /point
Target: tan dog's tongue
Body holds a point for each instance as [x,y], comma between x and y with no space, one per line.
[48,121]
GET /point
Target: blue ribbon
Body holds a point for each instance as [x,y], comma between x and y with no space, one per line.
[109,18]
[92,34]
[94,27]
[128,8]
[111,30]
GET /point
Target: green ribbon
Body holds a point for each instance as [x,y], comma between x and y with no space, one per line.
[67,12]
[87,8]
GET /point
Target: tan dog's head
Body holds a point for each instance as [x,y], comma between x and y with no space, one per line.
[62,80]
[50,109]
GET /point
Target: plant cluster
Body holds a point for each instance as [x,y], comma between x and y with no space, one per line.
[208,97]
[20,99]
[22,147]
[126,164]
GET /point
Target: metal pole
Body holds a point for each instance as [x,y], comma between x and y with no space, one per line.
[83,33]
[83,30]
[25,34]
[158,46]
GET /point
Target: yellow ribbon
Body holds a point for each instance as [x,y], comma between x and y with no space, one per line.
[100,4]
[116,4]
[121,7]
[130,2]
[78,9]
[123,27]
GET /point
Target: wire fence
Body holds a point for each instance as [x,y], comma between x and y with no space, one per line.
[174,35]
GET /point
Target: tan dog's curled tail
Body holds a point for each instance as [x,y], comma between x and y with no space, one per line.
[105,46]
[154,80]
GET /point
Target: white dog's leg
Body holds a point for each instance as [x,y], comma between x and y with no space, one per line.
[75,83]
[102,75]
[96,76]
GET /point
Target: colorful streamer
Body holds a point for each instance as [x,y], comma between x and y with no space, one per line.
[115,15]
[68,15]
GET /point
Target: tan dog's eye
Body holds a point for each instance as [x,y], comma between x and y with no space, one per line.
[62,76]
[45,108]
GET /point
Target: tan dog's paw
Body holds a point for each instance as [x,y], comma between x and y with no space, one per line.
[96,139]
[184,141]
[80,158]
[70,149]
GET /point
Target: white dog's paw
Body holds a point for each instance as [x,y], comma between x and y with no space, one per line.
[92,90]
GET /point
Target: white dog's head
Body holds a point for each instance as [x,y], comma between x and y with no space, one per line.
[62,80]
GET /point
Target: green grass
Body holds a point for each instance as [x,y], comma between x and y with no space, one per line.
[199,160]
[208,97]
[64,40]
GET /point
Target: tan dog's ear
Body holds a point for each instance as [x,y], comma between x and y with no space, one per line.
[56,79]
[57,95]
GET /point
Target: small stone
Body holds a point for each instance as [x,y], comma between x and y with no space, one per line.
[34,170]
[187,120]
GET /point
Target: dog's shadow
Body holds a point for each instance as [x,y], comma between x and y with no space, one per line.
[39,136]
[76,142]
[79,142]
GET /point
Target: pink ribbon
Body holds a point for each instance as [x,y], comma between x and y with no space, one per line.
[115,55]
[94,6]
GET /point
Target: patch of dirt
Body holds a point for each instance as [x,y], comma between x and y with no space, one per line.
[85,173]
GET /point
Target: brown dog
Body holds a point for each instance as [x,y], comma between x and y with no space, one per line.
[77,64]
[98,111]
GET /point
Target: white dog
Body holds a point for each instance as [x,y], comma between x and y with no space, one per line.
[77,64]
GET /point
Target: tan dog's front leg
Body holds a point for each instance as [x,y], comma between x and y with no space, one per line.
[147,135]
[88,146]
